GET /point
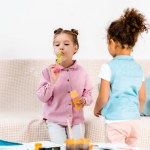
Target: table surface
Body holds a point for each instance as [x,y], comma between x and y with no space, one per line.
[96,146]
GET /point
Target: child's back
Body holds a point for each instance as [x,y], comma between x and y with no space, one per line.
[126,80]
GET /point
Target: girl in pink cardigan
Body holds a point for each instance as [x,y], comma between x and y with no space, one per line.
[60,84]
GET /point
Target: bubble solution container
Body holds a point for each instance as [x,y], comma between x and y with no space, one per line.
[81,144]
[75,99]
[84,144]
[37,146]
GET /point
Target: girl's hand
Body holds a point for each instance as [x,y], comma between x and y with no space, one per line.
[53,75]
[81,103]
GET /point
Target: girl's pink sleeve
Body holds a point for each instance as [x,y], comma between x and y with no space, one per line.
[87,93]
[45,89]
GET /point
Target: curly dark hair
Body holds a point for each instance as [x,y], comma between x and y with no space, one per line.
[72,32]
[127,28]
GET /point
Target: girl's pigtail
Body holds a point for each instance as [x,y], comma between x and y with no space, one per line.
[74,31]
[134,21]
[59,30]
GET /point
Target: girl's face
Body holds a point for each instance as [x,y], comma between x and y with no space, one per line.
[63,44]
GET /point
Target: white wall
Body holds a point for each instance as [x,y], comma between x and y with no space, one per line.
[26,26]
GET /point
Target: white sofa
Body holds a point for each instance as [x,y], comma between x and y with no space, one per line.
[21,111]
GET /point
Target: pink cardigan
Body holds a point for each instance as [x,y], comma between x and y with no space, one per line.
[58,105]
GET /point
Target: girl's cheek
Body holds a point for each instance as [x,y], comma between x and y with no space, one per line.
[63,58]
[68,48]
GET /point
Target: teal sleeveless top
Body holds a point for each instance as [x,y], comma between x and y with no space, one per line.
[125,83]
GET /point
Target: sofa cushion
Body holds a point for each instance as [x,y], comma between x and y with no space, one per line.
[146,109]
[95,129]
[22,127]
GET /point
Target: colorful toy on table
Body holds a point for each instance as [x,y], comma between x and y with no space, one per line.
[84,144]
[58,61]
[72,144]
[50,148]
[9,143]
[76,144]
[80,144]
[37,146]
[75,99]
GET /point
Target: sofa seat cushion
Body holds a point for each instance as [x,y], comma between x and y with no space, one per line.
[95,129]
[145,134]
[22,127]
[146,109]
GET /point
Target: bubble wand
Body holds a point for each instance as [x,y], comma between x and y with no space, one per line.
[58,61]
[69,130]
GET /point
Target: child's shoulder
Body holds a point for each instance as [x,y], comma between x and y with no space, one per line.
[82,70]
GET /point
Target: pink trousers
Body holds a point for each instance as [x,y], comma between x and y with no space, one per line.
[123,132]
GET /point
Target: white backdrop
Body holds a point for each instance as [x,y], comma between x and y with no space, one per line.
[26,26]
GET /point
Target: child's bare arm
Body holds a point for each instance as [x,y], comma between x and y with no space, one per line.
[142,96]
[102,97]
